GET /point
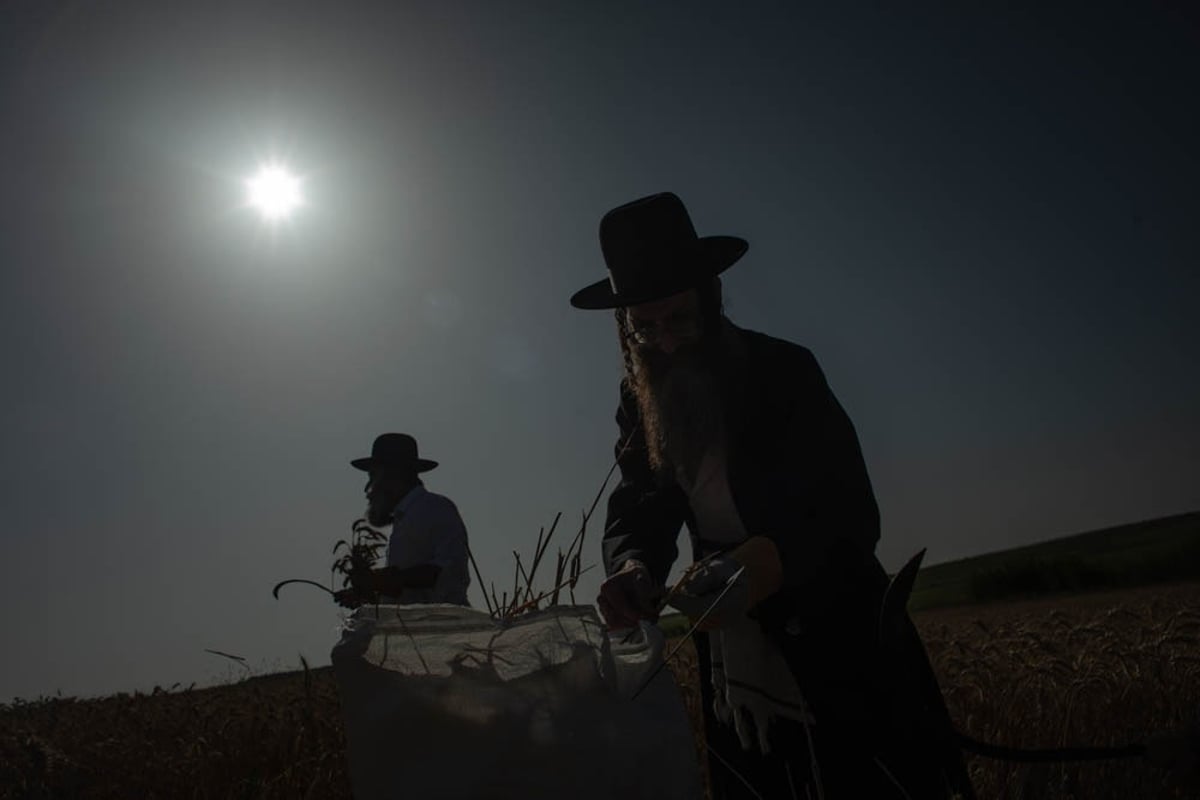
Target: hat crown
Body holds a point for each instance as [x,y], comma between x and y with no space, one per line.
[652,251]
[396,448]
[646,241]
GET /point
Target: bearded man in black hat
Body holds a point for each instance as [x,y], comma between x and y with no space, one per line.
[427,550]
[737,435]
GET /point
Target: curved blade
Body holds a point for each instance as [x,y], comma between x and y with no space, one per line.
[895,600]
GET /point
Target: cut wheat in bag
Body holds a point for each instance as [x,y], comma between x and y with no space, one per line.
[443,701]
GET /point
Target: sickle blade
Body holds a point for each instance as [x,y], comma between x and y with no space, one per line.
[895,600]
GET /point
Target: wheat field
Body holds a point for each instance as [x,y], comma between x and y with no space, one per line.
[1095,669]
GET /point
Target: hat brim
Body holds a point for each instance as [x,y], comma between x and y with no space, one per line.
[718,253]
[368,464]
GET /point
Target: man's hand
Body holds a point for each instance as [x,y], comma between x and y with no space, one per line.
[762,577]
[629,596]
[363,581]
[705,585]
[348,598]
[363,589]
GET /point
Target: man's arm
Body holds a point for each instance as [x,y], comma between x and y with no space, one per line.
[823,517]
[814,513]
[644,516]
[394,580]
[367,586]
[447,546]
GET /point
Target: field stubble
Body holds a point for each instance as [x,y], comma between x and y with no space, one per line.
[1097,670]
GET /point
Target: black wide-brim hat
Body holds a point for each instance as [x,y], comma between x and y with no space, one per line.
[394,451]
[652,251]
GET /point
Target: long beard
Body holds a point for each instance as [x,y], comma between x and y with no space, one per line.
[680,400]
[379,513]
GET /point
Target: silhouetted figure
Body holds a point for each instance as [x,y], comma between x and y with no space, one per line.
[427,551]
[737,435]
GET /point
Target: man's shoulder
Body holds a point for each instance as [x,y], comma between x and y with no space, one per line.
[434,499]
[439,504]
[760,347]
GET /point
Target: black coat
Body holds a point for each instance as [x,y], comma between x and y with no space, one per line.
[795,471]
[797,476]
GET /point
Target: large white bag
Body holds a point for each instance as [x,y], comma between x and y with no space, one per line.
[442,701]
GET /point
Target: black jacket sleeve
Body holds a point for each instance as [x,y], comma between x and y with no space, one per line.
[644,513]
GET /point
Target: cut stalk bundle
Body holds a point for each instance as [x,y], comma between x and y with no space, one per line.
[567,571]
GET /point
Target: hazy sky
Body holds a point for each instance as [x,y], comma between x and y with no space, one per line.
[982,221]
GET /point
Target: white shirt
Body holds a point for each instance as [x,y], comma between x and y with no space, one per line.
[427,529]
[712,501]
[750,677]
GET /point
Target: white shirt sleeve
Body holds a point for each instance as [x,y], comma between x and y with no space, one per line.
[449,540]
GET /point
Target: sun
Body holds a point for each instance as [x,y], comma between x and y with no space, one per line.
[274,192]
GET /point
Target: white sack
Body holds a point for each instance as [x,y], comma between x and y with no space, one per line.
[441,701]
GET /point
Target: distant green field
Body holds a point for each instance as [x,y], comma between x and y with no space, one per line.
[1154,551]
[1123,557]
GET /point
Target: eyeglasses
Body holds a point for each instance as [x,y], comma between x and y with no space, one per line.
[680,325]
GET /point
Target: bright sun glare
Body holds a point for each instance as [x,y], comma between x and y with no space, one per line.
[274,192]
